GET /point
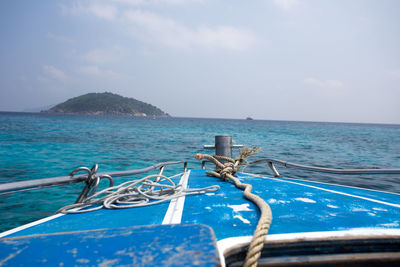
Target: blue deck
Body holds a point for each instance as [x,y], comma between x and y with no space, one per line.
[297,206]
[155,245]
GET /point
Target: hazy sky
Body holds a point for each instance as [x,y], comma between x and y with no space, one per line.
[268,59]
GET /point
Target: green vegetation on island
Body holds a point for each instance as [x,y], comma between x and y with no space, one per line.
[106,103]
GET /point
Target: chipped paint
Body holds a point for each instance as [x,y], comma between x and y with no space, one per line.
[380,209]
[287,216]
[155,245]
[73,251]
[304,199]
[242,219]
[83,260]
[225,217]
[242,207]
[272,201]
[358,209]
[218,205]
[106,263]
[332,206]
[393,224]
[341,193]
[275,201]
[11,256]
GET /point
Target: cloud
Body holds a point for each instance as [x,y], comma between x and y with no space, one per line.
[286,4]
[93,70]
[98,9]
[166,31]
[162,30]
[101,56]
[110,9]
[323,83]
[53,73]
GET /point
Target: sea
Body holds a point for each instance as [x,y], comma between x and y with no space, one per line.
[35,145]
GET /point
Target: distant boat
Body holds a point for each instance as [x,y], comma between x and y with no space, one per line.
[249,118]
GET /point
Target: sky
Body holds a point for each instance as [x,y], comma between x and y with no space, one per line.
[266,59]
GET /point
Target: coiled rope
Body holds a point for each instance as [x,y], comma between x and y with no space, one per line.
[226,172]
[136,193]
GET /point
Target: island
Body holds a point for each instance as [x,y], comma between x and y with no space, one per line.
[106,103]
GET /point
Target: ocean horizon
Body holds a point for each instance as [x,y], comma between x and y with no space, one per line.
[199,118]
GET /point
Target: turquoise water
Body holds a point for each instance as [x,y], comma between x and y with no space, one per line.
[36,146]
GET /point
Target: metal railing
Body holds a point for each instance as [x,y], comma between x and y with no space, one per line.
[71,179]
[271,162]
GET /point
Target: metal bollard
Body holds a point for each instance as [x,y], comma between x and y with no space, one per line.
[223,146]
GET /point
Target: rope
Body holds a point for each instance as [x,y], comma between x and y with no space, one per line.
[136,193]
[226,172]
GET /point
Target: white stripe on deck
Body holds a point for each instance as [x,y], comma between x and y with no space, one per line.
[319,182]
[341,193]
[26,226]
[175,208]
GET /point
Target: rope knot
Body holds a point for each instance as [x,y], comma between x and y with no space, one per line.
[228,169]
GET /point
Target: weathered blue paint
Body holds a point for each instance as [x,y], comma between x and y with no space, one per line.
[384,196]
[100,219]
[297,206]
[156,245]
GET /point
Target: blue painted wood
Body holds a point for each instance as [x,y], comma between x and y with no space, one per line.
[100,219]
[384,196]
[156,245]
[297,206]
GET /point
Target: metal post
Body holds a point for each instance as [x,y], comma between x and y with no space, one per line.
[223,145]
[160,172]
[272,167]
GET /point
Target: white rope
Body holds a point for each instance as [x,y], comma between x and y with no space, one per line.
[136,193]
